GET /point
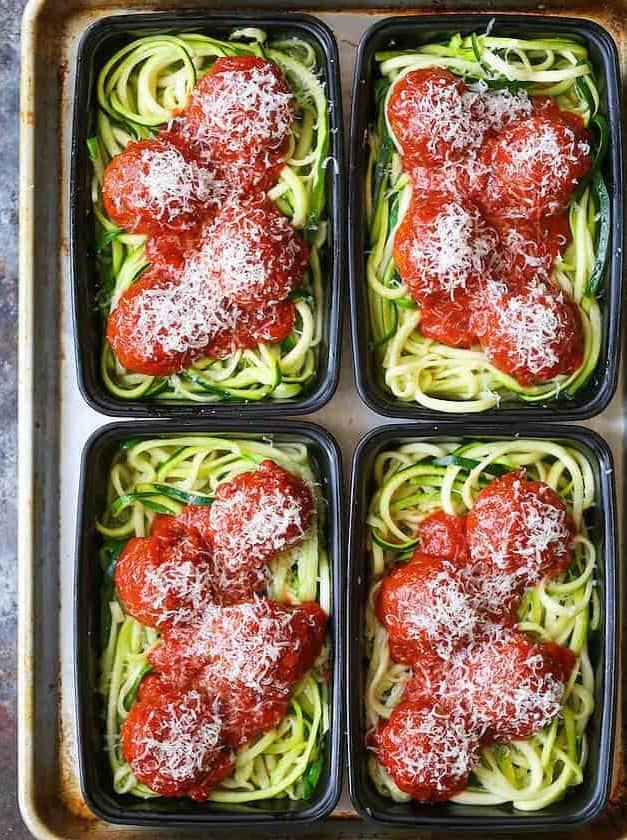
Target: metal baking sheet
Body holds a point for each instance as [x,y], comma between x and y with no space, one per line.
[54,422]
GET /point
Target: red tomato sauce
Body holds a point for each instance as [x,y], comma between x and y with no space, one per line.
[449,614]
[140,328]
[153,687]
[272,323]
[529,249]
[197,192]
[250,655]
[428,749]
[534,165]
[157,328]
[285,500]
[228,659]
[448,321]
[161,583]
[425,608]
[444,535]
[443,248]
[239,115]
[156,187]
[515,685]
[194,519]
[490,186]
[520,527]
[174,744]
[532,331]
[254,517]
[258,257]
[426,114]
[170,250]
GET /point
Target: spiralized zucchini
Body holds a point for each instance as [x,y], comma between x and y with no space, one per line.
[152,476]
[410,484]
[453,380]
[138,90]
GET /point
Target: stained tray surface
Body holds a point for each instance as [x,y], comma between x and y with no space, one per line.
[55,422]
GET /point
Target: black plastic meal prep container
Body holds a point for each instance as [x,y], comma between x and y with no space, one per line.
[94,769]
[581,804]
[99,42]
[407,32]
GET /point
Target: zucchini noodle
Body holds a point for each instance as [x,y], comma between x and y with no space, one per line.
[140,89]
[411,482]
[418,369]
[151,476]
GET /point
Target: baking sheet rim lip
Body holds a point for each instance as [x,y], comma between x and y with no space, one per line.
[25,637]
[92,388]
[332,453]
[375,396]
[608,735]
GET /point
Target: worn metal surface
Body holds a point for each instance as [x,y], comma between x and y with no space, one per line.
[11,825]
[54,422]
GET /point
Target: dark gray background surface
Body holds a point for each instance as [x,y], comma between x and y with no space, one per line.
[11,825]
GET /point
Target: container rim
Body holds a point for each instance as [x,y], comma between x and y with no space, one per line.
[90,385]
[374,395]
[330,451]
[528,821]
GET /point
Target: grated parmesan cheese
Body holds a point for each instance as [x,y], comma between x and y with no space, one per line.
[449,116]
[181,316]
[437,608]
[531,326]
[451,250]
[428,748]
[246,643]
[257,515]
[249,256]
[274,515]
[181,739]
[252,253]
[249,112]
[542,159]
[171,186]
[178,589]
[519,524]
[504,682]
